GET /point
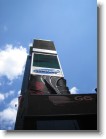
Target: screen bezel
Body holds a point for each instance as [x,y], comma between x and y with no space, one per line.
[60,74]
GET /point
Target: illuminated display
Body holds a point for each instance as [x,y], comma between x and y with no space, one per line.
[47,61]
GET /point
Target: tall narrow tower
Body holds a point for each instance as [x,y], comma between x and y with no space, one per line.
[45,101]
[43,76]
[46,75]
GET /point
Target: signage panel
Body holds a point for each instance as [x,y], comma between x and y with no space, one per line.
[45,64]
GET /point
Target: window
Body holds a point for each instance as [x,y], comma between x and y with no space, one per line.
[47,61]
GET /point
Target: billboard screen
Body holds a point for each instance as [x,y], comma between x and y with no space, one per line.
[47,61]
[46,64]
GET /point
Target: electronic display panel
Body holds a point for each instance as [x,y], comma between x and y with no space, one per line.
[46,64]
[47,61]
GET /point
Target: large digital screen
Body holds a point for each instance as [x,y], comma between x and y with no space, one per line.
[47,61]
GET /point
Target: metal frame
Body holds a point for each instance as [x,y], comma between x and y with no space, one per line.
[50,74]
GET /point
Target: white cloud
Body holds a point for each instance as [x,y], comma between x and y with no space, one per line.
[74,90]
[12,61]
[10,93]
[14,103]
[2,97]
[19,92]
[8,116]
[30,44]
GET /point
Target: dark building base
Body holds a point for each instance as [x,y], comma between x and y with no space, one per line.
[61,123]
[58,112]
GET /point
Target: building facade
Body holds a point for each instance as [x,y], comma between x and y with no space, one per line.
[45,102]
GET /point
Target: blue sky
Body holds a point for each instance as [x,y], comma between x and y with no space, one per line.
[71,24]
